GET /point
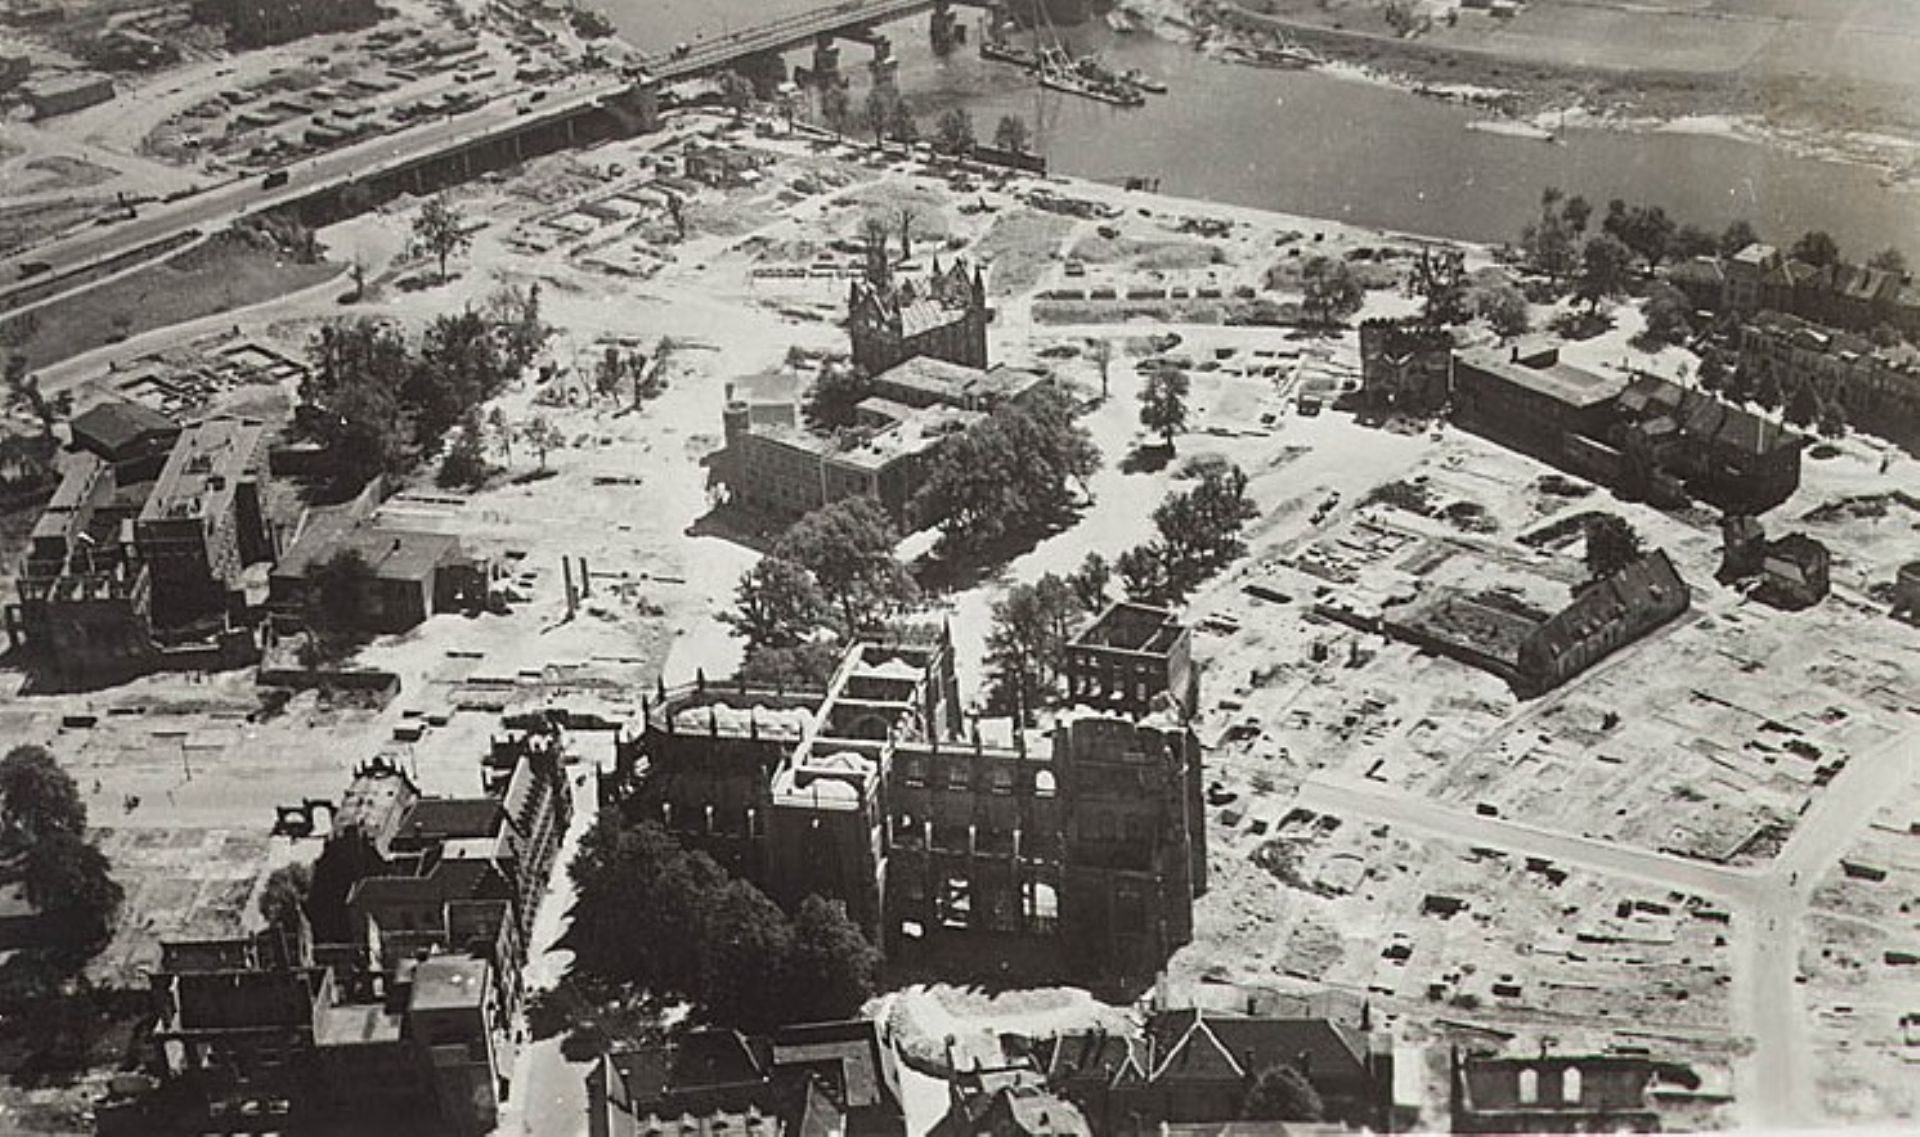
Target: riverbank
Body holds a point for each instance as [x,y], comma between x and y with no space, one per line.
[1588,84]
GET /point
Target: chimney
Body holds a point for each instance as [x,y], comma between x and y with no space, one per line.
[1513,354]
[1303,1062]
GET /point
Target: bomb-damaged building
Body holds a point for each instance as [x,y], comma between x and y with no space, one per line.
[1077,844]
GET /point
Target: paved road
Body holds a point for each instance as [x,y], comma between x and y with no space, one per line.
[227,203]
[1774,1086]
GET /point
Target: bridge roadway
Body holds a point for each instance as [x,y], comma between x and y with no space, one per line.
[121,243]
[793,31]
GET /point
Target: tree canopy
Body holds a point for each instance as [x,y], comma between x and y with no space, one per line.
[440,231]
[1604,266]
[836,391]
[653,915]
[1282,1093]
[1163,403]
[777,604]
[1816,247]
[1011,134]
[1027,645]
[1010,475]
[1612,544]
[284,897]
[1333,292]
[953,134]
[37,798]
[848,548]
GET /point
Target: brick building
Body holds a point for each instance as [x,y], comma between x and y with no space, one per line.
[1524,397]
[411,574]
[775,465]
[891,321]
[1080,845]
[1760,278]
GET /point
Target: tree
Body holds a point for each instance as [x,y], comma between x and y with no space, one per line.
[353,400]
[1101,352]
[1440,279]
[831,969]
[284,897]
[776,604]
[1333,292]
[1691,241]
[1603,269]
[1833,419]
[877,112]
[1163,403]
[836,393]
[1089,582]
[1816,247]
[1282,1093]
[502,432]
[1027,644]
[1804,406]
[1712,374]
[1612,544]
[516,317]
[745,941]
[736,91]
[37,799]
[543,436]
[1009,475]
[1143,573]
[465,463]
[460,365]
[1200,528]
[848,547]
[440,231]
[953,134]
[1737,235]
[1011,134]
[336,587]
[1504,308]
[1549,241]
[1647,230]
[900,125]
[907,218]
[65,872]
[1669,316]
[836,108]
[1890,260]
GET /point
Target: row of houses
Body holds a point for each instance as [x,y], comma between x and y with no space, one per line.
[1878,385]
[1641,433]
[1760,278]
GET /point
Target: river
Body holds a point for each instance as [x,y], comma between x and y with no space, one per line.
[1324,146]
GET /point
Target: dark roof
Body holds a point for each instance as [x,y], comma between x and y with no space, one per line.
[1199,1044]
[1644,593]
[451,818]
[849,1054]
[1703,416]
[699,1061]
[457,878]
[109,428]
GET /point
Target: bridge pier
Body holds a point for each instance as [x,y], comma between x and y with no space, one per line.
[884,66]
[945,32]
[826,61]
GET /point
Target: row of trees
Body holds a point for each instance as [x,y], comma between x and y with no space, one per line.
[1199,534]
[1557,242]
[378,400]
[885,115]
[651,915]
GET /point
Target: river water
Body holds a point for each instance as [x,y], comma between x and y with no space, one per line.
[1324,146]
